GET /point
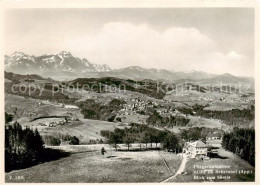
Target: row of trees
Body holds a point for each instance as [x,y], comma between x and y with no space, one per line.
[56,140]
[23,147]
[234,117]
[140,133]
[197,133]
[156,119]
[241,142]
[102,85]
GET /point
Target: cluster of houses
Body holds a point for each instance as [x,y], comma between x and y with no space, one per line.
[199,149]
[206,99]
[28,80]
[60,122]
[226,99]
[55,123]
[134,106]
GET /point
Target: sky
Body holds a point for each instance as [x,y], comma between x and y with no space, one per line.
[214,40]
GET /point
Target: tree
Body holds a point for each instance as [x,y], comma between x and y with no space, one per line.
[146,139]
[23,147]
[151,138]
[142,134]
[74,141]
[241,142]
[171,142]
[38,142]
[128,139]
[114,139]
[8,118]
[55,141]
[162,135]
[155,119]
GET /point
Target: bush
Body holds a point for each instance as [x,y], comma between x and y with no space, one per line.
[111,118]
[55,142]
[74,141]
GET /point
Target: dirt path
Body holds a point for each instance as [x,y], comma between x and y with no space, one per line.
[166,164]
[180,170]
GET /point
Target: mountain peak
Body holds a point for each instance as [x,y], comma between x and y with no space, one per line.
[227,75]
[61,62]
[136,68]
[17,56]
[102,67]
[65,54]
[18,53]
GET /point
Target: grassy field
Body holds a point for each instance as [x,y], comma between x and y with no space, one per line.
[208,123]
[87,167]
[232,101]
[84,129]
[225,158]
[26,109]
[135,118]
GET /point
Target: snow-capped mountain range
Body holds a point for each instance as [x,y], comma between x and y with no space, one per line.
[64,66]
[64,61]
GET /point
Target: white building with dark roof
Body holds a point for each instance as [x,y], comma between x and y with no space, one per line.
[195,149]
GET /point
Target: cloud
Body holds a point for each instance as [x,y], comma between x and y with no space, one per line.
[120,44]
[234,55]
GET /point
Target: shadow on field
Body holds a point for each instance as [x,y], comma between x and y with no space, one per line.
[216,155]
[137,149]
[52,154]
[111,156]
[16,162]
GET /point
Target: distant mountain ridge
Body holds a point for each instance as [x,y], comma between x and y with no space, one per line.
[64,66]
[63,61]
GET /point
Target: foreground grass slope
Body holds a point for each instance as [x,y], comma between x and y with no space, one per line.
[89,167]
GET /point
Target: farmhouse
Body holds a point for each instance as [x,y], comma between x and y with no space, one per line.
[62,122]
[29,80]
[196,149]
[52,124]
[214,139]
[213,136]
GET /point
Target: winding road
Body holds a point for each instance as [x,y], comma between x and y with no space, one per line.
[180,170]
